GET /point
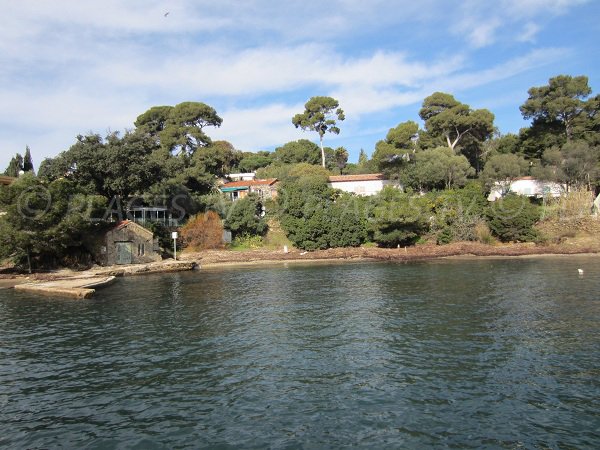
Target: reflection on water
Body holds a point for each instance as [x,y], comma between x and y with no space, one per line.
[482,353]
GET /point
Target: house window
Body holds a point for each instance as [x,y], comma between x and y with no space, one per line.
[141,250]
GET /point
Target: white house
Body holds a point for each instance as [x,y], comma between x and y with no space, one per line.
[367,184]
[529,187]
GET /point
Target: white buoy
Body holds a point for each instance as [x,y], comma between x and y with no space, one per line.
[580,271]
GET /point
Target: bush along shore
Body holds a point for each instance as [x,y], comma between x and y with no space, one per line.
[439,175]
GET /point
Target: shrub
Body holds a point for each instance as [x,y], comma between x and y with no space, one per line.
[245,217]
[457,212]
[203,231]
[314,216]
[399,218]
[483,233]
[247,241]
[512,218]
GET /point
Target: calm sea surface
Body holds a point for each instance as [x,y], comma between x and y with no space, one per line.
[444,354]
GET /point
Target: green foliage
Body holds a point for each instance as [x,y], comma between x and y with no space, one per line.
[300,151]
[395,151]
[245,217]
[163,234]
[179,128]
[457,124]
[576,165]
[503,169]
[562,100]
[399,218]
[247,242]
[512,218]
[439,168]
[446,117]
[45,221]
[252,161]
[14,166]
[340,157]
[28,161]
[110,167]
[219,158]
[457,212]
[321,115]
[315,217]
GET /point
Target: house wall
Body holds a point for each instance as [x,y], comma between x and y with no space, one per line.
[144,246]
[530,188]
[370,187]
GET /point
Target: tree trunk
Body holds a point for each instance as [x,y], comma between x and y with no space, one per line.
[322,150]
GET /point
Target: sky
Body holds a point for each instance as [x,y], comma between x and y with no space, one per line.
[71,67]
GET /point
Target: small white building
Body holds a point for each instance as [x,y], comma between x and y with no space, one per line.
[249,176]
[367,184]
[529,187]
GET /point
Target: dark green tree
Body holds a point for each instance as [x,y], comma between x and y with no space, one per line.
[179,128]
[439,168]
[393,153]
[300,151]
[459,126]
[453,121]
[576,165]
[246,217]
[562,101]
[45,222]
[512,218]
[399,218]
[28,161]
[15,166]
[321,115]
[250,162]
[340,158]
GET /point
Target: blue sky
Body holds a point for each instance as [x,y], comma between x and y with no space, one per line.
[73,66]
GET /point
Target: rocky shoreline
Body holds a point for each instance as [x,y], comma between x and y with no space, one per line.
[80,284]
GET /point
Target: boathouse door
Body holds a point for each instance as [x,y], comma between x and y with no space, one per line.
[124,252]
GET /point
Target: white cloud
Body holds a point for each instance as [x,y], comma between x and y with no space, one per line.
[530,30]
[72,66]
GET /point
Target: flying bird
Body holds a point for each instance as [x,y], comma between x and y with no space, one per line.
[167,13]
[580,271]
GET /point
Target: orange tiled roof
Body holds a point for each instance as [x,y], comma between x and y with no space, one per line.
[364,177]
[6,180]
[247,183]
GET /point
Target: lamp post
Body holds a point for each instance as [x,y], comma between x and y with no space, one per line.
[174,236]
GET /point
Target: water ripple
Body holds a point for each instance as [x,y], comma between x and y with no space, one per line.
[470,354]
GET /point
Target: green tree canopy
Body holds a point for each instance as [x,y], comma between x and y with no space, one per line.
[340,157]
[251,161]
[438,168]
[45,222]
[503,169]
[562,101]
[576,164]
[15,166]
[321,115]
[179,128]
[396,150]
[300,151]
[245,217]
[399,218]
[512,218]
[28,161]
[446,117]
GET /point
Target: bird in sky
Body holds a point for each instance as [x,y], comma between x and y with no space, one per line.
[167,13]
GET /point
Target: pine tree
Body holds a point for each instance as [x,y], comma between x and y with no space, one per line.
[15,166]
[27,161]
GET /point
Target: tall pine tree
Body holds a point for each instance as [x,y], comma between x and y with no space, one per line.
[27,161]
